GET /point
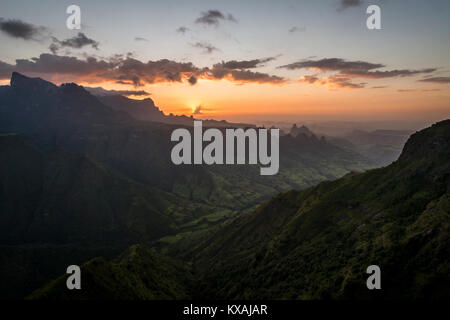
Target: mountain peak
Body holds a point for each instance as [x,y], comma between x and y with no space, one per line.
[433,141]
[20,81]
[295,131]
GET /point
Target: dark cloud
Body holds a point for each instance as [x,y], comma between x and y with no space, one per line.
[192,80]
[182,30]
[163,70]
[140,39]
[442,80]
[59,65]
[128,70]
[206,47]
[345,4]
[16,28]
[236,71]
[354,69]
[297,29]
[332,64]
[99,91]
[77,42]
[213,17]
[258,77]
[245,64]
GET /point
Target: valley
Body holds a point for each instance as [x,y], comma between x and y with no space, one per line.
[90,184]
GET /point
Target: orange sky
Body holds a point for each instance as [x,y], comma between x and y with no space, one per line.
[315,60]
[226,100]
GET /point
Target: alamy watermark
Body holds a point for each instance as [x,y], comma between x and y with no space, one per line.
[73,21]
[373,22]
[213,153]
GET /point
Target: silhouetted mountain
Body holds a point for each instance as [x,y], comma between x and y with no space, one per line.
[60,197]
[34,105]
[70,118]
[143,110]
[295,131]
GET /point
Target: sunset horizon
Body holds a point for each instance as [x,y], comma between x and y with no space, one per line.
[220,61]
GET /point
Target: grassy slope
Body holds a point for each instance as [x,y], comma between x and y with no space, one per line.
[311,244]
[317,243]
[139,273]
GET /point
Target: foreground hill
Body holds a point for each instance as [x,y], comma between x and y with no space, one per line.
[137,274]
[316,243]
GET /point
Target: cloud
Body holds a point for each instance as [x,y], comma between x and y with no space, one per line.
[77,42]
[140,39]
[164,70]
[130,71]
[59,65]
[245,64]
[332,64]
[192,80]
[206,47]
[16,28]
[125,70]
[213,18]
[379,87]
[354,69]
[333,81]
[442,80]
[182,30]
[198,109]
[344,82]
[297,29]
[99,91]
[201,109]
[310,79]
[345,4]
[237,71]
[430,90]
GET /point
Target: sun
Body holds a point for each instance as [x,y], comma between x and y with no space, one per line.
[193,104]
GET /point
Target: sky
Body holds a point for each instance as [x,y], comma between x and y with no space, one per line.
[243,60]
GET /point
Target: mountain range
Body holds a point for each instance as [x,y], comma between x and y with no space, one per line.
[317,243]
[87,176]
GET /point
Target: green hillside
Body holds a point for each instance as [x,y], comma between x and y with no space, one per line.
[317,243]
[138,274]
[312,244]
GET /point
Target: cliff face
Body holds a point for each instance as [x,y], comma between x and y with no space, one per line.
[432,142]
